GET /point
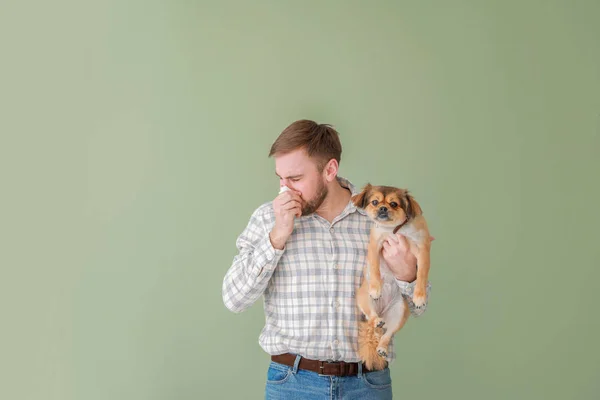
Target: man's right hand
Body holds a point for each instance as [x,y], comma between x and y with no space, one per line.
[287,206]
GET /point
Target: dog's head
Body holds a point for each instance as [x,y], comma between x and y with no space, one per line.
[387,205]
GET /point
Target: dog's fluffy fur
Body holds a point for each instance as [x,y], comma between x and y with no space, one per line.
[379,298]
[369,336]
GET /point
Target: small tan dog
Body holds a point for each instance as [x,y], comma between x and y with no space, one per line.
[379,298]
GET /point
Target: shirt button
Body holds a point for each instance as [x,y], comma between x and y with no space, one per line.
[336,304]
[336,342]
[336,266]
[331,229]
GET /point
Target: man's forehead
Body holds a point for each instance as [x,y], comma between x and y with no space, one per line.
[289,169]
[291,166]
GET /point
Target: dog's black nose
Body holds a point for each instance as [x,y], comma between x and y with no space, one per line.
[383,210]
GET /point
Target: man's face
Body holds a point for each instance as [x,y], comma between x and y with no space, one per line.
[299,172]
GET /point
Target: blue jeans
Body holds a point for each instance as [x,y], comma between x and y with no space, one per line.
[290,383]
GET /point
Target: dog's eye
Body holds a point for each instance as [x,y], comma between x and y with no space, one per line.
[394,204]
[374,202]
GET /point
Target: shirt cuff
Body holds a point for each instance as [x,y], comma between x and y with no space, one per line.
[407,288]
[267,255]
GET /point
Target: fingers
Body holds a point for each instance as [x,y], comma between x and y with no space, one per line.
[402,240]
[290,201]
[286,197]
[294,206]
[284,203]
[389,250]
[290,205]
[394,238]
[394,245]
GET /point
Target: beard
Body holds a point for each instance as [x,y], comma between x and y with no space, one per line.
[313,205]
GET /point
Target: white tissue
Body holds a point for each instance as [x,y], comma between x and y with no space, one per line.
[283,189]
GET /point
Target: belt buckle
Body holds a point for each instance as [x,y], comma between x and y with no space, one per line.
[341,367]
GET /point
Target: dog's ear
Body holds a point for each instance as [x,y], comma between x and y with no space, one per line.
[412,207]
[360,199]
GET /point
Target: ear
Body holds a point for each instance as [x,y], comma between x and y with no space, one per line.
[360,199]
[331,169]
[412,207]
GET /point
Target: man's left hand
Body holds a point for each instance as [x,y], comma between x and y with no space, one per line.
[399,259]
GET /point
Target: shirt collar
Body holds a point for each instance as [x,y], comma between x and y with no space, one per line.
[350,208]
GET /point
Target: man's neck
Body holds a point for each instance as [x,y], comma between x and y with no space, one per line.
[336,201]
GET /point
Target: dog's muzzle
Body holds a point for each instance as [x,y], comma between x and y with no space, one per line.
[382,213]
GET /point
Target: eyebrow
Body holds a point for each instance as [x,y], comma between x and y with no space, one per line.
[290,177]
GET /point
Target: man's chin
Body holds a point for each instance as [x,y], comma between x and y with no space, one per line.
[313,206]
[308,211]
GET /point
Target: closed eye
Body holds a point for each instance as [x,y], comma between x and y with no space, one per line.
[293,178]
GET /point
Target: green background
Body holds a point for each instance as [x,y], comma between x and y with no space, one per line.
[134,148]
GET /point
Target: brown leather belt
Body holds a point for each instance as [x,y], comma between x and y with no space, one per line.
[338,368]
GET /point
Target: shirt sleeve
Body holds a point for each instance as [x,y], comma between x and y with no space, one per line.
[253,266]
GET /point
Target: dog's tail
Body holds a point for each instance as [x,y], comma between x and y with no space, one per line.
[368,340]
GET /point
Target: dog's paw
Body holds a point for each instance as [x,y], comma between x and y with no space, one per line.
[419,298]
[382,352]
[379,322]
[375,291]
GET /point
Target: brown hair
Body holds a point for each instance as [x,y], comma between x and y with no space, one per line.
[321,141]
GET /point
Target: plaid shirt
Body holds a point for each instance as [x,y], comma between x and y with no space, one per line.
[309,286]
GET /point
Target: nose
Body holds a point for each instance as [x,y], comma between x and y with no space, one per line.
[383,209]
[287,184]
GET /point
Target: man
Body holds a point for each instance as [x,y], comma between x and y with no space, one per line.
[305,252]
